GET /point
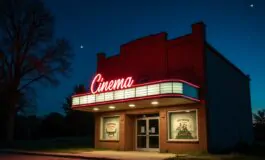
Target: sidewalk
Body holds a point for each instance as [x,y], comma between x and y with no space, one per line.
[107,155]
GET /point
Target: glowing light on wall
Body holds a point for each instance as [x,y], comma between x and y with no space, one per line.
[99,85]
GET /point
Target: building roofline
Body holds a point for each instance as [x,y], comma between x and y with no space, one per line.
[144,37]
[226,60]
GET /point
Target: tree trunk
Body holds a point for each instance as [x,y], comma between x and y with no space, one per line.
[10,126]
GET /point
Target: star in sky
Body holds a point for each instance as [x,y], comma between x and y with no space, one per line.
[81,46]
[252,5]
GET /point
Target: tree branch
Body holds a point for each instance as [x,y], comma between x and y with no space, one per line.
[27,71]
[30,82]
[6,26]
[9,33]
[36,79]
[28,40]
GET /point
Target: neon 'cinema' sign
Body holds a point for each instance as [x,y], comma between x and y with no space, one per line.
[99,85]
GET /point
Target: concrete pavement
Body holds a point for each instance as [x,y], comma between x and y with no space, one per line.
[107,155]
[33,157]
[132,155]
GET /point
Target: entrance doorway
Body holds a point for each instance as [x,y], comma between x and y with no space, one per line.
[147,132]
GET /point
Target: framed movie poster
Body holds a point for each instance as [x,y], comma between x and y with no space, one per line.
[183,125]
[110,128]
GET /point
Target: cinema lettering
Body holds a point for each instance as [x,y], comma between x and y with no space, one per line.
[103,86]
[163,107]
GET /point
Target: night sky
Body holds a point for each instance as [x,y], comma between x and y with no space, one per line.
[236,28]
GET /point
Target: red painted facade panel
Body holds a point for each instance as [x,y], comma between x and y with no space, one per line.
[143,58]
[156,58]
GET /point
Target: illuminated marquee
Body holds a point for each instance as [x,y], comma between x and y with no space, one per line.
[98,85]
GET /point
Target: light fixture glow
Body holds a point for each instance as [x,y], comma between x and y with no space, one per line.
[95,109]
[111,107]
[131,105]
[154,103]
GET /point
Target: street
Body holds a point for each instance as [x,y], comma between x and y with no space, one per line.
[32,157]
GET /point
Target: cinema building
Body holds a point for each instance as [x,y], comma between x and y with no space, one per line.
[168,95]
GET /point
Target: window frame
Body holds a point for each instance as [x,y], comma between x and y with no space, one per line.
[101,135]
[169,129]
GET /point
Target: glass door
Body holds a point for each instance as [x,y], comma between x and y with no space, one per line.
[147,133]
[141,133]
[153,134]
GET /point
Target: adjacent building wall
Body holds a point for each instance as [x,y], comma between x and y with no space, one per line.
[228,103]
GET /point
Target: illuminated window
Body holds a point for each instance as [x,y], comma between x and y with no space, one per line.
[183,125]
[91,98]
[119,94]
[83,100]
[75,101]
[153,89]
[129,93]
[166,87]
[100,97]
[110,128]
[109,96]
[141,91]
[177,87]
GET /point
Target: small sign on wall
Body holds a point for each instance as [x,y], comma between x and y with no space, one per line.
[110,128]
[153,130]
[142,129]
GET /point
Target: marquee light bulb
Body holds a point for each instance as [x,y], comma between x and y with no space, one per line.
[131,105]
[154,103]
[111,107]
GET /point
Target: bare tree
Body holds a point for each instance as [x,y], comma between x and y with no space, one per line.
[29,53]
[259,117]
[259,125]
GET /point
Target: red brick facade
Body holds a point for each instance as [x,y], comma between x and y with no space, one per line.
[127,139]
